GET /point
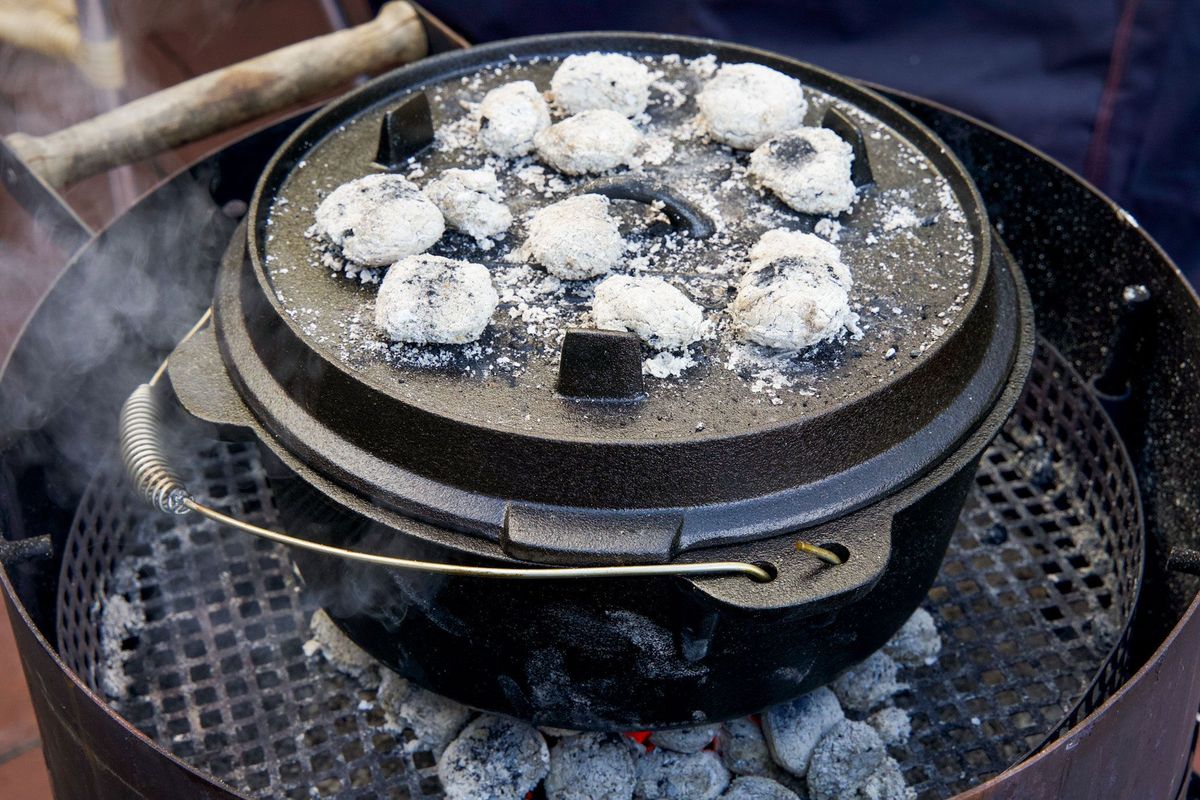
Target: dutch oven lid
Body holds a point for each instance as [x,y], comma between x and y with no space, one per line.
[742,445]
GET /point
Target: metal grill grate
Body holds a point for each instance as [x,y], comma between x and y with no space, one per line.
[1032,603]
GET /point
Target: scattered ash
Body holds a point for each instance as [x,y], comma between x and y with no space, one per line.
[121,618]
[906,240]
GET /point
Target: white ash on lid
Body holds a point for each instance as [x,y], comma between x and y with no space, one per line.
[746,104]
[892,724]
[590,142]
[575,238]
[496,758]
[470,201]
[656,311]
[829,229]
[917,642]
[433,719]
[743,748]
[756,787]
[666,775]
[868,683]
[426,299]
[591,766]
[843,761]
[601,81]
[510,116]
[808,169]
[685,740]
[793,730]
[667,365]
[378,219]
[337,648]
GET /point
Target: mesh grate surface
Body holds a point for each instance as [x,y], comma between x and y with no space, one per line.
[1032,603]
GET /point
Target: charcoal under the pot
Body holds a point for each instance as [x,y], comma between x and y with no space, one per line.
[494,757]
[434,720]
[591,765]
[666,775]
[794,729]
[867,684]
[918,642]
[844,759]
[345,656]
[758,788]
[892,724]
[743,749]
[685,740]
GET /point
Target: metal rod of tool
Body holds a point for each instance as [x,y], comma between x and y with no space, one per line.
[213,102]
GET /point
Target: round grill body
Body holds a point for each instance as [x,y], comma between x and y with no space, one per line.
[477,465]
[1078,250]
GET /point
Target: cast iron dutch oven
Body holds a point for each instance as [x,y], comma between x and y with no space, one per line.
[576,463]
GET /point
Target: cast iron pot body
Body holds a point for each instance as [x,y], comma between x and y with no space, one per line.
[884,477]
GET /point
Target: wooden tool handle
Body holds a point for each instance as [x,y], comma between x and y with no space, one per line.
[222,99]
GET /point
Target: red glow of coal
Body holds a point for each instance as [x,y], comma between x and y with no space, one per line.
[639,736]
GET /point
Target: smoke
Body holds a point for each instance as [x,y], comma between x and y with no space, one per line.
[132,293]
[114,313]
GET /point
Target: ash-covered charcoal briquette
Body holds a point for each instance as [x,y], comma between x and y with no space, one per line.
[601,81]
[746,104]
[646,305]
[494,757]
[575,238]
[917,642]
[789,305]
[471,202]
[892,724]
[378,219]
[590,142]
[843,761]
[685,740]
[756,787]
[591,766]
[885,783]
[868,683]
[666,775]
[792,730]
[808,169]
[510,116]
[341,653]
[743,748]
[795,293]
[429,299]
[822,256]
[433,719]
